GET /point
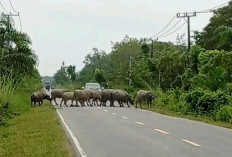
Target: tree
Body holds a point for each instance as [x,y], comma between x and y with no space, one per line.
[16,55]
[99,77]
[218,33]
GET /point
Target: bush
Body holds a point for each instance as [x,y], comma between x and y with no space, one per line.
[225,114]
[206,102]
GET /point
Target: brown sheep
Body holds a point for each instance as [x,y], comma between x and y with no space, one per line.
[96,96]
[39,97]
[83,96]
[121,96]
[143,95]
[106,96]
[67,96]
[57,93]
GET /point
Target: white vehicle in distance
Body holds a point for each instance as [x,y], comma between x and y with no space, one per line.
[92,86]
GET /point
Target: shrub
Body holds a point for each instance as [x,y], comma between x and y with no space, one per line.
[205,101]
[225,114]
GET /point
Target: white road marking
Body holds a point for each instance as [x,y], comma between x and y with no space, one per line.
[114,113]
[106,110]
[124,117]
[139,123]
[161,131]
[76,142]
[192,143]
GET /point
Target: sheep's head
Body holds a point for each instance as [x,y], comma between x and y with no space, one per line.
[152,96]
[46,96]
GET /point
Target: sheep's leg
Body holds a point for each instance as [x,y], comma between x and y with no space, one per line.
[128,104]
[89,102]
[112,103]
[41,102]
[97,103]
[65,102]
[76,102]
[55,101]
[136,105]
[141,105]
[120,104]
[149,104]
[61,102]
[72,103]
[82,103]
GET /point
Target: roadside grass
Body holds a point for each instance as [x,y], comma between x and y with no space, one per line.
[37,132]
[203,119]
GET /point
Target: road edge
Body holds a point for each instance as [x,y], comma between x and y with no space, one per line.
[77,149]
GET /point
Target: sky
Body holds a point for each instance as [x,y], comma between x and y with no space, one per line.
[67,30]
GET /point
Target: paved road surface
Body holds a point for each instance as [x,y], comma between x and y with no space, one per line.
[130,132]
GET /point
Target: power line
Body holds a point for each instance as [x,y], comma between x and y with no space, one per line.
[12,7]
[170,28]
[164,27]
[4,8]
[174,30]
[20,22]
[211,9]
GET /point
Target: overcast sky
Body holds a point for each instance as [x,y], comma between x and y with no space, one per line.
[67,30]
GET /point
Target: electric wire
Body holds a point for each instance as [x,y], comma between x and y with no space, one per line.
[20,22]
[170,28]
[12,7]
[173,31]
[211,9]
[4,8]
[164,27]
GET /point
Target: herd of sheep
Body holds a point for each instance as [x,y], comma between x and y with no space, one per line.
[94,97]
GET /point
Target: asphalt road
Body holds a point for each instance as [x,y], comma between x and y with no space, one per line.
[130,132]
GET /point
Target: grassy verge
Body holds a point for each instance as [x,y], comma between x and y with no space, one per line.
[37,132]
[203,119]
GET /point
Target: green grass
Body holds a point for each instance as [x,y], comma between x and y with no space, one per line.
[203,119]
[37,132]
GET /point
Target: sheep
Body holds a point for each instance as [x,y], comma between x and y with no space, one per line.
[106,96]
[82,96]
[39,97]
[96,95]
[121,96]
[57,93]
[67,96]
[143,95]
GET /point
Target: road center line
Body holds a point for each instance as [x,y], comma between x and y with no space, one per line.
[161,131]
[139,123]
[192,143]
[114,113]
[106,110]
[124,117]
[76,142]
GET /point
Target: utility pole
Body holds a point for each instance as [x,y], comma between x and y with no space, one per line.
[130,71]
[188,15]
[9,26]
[152,43]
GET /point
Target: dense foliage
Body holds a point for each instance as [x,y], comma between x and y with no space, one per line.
[218,33]
[18,73]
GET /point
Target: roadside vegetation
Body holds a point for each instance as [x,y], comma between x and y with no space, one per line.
[195,84]
[24,130]
[35,133]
